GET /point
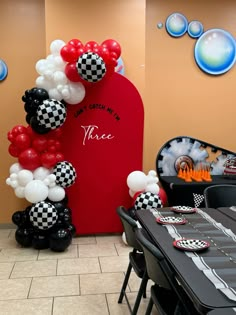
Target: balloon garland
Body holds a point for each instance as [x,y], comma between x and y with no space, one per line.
[42,175]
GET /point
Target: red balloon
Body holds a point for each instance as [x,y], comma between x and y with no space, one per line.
[23,141]
[92,44]
[29,159]
[80,51]
[104,53]
[48,159]
[72,73]
[69,53]
[163,196]
[10,136]
[76,43]
[55,133]
[40,144]
[60,157]
[17,130]
[13,150]
[112,46]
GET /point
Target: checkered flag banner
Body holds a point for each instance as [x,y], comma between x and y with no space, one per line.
[51,114]
[198,199]
[65,174]
[147,200]
[43,215]
[91,67]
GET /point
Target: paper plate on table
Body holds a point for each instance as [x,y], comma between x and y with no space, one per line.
[183,209]
[171,220]
[191,245]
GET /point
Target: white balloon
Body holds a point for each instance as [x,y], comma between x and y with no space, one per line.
[131,193]
[13,176]
[20,192]
[76,93]
[52,178]
[24,177]
[152,173]
[41,173]
[152,180]
[137,181]
[36,191]
[59,77]
[153,188]
[40,66]
[55,94]
[56,193]
[56,46]
[14,183]
[15,168]
[8,181]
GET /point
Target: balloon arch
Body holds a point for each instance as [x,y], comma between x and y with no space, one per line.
[42,175]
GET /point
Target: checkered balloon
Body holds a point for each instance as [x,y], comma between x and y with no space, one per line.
[51,114]
[43,215]
[91,67]
[147,200]
[65,174]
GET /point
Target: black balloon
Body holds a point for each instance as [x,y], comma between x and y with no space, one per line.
[37,127]
[40,241]
[17,218]
[72,229]
[60,240]
[24,236]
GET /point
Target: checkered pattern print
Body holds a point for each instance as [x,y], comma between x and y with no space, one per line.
[65,174]
[198,200]
[147,200]
[91,67]
[191,244]
[51,114]
[43,215]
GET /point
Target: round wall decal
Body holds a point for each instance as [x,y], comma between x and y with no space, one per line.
[3,70]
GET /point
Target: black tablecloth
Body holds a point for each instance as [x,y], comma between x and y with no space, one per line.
[202,291]
[181,193]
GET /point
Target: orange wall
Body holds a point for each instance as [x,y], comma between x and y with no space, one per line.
[179,99]
[22,39]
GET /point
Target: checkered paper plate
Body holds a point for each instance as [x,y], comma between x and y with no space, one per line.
[171,220]
[183,209]
[191,245]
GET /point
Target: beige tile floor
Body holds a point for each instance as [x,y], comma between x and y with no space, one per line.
[84,280]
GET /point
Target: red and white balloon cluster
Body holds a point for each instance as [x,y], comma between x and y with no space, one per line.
[72,66]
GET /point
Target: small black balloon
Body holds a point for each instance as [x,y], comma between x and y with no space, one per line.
[17,218]
[60,240]
[24,236]
[72,229]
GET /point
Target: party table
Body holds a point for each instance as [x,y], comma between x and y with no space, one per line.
[209,276]
[190,194]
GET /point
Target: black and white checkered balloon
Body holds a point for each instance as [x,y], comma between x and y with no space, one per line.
[147,200]
[65,174]
[91,67]
[43,215]
[51,114]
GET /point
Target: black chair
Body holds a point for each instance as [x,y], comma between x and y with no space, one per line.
[166,293]
[220,196]
[136,260]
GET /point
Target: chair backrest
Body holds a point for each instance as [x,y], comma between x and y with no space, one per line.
[157,266]
[160,272]
[220,196]
[129,225]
